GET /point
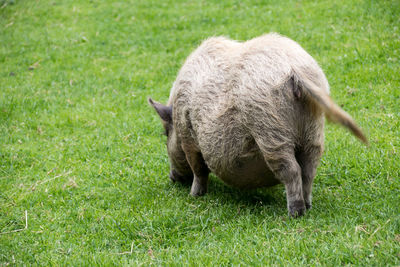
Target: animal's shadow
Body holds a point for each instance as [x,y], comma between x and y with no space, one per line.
[255,200]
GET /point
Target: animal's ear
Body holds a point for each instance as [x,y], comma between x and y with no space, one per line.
[165,112]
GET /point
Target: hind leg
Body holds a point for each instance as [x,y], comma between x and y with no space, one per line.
[310,153]
[309,161]
[281,160]
[277,148]
[287,170]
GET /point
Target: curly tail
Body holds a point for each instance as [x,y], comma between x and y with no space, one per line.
[332,111]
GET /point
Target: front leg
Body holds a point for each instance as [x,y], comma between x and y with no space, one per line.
[199,169]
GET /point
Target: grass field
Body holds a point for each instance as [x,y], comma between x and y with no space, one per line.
[82,152]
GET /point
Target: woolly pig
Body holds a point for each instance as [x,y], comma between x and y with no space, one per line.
[253,114]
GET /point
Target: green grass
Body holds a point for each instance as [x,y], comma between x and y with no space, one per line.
[82,152]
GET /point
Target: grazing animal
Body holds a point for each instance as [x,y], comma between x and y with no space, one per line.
[253,114]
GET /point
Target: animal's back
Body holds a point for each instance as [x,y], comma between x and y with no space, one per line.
[265,94]
[204,70]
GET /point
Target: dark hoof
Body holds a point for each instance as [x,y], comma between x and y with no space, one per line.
[198,189]
[297,209]
[198,193]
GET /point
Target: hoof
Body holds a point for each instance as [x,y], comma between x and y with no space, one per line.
[297,209]
[198,193]
[198,189]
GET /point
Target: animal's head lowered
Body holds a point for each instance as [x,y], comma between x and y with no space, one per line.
[180,170]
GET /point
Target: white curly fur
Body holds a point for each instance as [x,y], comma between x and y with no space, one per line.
[253,114]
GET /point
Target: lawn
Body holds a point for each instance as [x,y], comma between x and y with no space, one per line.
[83,160]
